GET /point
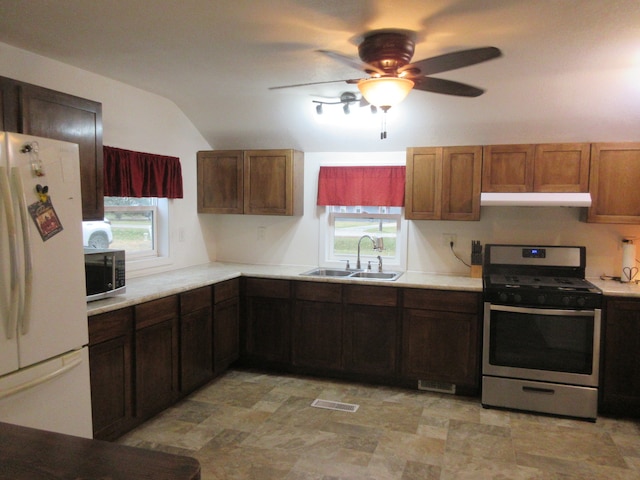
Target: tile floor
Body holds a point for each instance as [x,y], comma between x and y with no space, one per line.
[252,425]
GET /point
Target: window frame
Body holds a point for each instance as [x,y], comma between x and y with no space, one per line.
[327,236]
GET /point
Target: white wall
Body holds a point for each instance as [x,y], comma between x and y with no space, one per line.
[136,120]
[294,240]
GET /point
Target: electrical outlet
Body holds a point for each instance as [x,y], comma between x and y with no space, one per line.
[261,233]
[448,239]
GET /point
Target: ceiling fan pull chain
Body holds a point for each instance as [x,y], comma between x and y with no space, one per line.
[383,127]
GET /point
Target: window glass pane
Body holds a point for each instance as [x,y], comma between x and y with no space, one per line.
[350,224]
[133,223]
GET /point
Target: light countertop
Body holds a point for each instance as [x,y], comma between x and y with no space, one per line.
[144,289]
[151,287]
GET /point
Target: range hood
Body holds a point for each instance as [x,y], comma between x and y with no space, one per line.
[535,199]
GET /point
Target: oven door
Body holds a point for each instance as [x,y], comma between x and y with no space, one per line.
[550,345]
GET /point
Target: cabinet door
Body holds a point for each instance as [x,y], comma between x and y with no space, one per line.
[508,168]
[51,114]
[273,182]
[156,341]
[196,343]
[111,365]
[461,181]
[440,346]
[371,334]
[621,362]
[423,188]
[613,183]
[317,337]
[9,112]
[561,167]
[267,327]
[226,324]
[372,330]
[220,181]
[226,334]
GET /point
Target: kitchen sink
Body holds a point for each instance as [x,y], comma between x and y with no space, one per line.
[359,274]
[327,272]
[377,275]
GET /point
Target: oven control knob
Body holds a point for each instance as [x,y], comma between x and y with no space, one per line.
[566,300]
[541,299]
[503,297]
[581,301]
[517,298]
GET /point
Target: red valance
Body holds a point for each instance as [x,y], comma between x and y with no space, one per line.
[137,174]
[382,186]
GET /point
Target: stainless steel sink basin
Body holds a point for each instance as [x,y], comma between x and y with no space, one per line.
[327,272]
[359,274]
[377,275]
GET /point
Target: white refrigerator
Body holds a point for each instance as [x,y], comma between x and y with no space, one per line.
[44,360]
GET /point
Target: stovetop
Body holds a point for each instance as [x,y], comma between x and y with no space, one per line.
[541,276]
[540,282]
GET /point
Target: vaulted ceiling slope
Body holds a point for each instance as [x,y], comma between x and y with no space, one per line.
[570,68]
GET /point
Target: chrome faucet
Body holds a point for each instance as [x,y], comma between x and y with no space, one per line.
[377,245]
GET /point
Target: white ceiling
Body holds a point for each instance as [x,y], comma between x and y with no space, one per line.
[568,65]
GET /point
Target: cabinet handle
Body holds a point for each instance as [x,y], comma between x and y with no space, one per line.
[545,391]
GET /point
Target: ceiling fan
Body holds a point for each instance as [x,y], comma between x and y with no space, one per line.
[385,55]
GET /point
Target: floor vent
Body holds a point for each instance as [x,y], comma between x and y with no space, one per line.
[329,405]
[440,387]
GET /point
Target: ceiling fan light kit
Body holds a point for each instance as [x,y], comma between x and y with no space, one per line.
[385,92]
[385,55]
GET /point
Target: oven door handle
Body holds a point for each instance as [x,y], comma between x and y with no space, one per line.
[544,311]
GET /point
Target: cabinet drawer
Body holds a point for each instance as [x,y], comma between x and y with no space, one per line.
[156,311]
[264,287]
[368,295]
[445,300]
[195,300]
[106,326]
[319,292]
[226,290]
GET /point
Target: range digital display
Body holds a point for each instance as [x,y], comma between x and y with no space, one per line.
[534,252]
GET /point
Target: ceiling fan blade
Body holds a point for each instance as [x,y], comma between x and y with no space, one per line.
[346,80]
[352,62]
[447,87]
[451,61]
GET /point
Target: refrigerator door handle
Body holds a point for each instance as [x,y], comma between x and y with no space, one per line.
[11,319]
[69,361]
[26,240]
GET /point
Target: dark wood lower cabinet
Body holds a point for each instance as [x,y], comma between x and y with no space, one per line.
[196,346]
[267,322]
[226,324]
[371,320]
[156,365]
[441,338]
[317,336]
[620,372]
[111,364]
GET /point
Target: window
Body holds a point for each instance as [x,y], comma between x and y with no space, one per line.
[134,224]
[346,226]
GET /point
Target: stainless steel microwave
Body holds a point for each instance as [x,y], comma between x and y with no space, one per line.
[104,272]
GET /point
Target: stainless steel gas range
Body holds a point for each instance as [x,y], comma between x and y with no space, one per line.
[541,336]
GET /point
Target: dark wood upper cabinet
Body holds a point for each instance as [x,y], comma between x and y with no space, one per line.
[42,112]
